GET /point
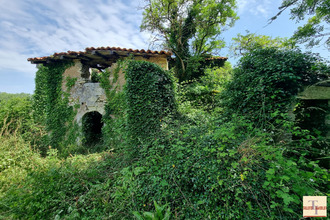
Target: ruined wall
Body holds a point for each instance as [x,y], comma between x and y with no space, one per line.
[87,95]
[90,96]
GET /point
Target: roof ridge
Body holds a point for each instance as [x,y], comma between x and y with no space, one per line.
[88,49]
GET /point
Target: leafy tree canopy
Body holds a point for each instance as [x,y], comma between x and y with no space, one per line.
[317,27]
[243,44]
[188,28]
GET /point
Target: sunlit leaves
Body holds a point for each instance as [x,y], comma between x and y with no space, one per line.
[317,27]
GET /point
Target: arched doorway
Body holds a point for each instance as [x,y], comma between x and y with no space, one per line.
[92,128]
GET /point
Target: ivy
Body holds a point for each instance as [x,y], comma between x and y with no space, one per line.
[51,105]
[70,82]
[114,119]
[150,98]
[266,82]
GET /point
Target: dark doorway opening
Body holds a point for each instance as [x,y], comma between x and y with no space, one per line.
[92,128]
[311,115]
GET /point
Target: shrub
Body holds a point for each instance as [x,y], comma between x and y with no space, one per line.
[202,93]
[267,80]
[228,171]
[32,187]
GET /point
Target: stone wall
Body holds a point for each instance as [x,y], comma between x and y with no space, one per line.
[90,96]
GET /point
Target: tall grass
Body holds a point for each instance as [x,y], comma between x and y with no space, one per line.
[36,187]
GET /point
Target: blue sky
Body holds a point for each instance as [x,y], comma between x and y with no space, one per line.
[34,28]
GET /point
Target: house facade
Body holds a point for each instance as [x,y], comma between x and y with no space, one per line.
[85,92]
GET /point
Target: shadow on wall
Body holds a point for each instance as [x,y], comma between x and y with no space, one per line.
[92,128]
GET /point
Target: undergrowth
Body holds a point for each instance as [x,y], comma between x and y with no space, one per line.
[168,157]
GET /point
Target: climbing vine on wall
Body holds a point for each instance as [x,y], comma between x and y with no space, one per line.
[150,98]
[114,118]
[51,105]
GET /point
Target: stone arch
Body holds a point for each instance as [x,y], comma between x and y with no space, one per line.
[92,127]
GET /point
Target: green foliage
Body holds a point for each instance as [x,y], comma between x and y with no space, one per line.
[201,164]
[7,96]
[32,187]
[70,82]
[113,131]
[311,115]
[150,98]
[244,44]
[188,28]
[96,76]
[161,213]
[51,106]
[266,82]
[16,117]
[203,93]
[226,170]
[15,113]
[314,31]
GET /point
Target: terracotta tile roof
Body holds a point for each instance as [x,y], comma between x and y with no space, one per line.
[91,50]
[129,50]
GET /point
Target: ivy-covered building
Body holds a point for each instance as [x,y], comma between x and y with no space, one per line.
[77,78]
[67,88]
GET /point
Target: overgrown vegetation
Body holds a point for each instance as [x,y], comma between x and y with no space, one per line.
[51,107]
[266,90]
[150,98]
[208,149]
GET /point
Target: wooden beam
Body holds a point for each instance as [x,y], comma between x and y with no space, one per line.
[85,58]
[97,53]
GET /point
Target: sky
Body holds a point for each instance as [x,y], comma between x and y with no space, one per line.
[36,28]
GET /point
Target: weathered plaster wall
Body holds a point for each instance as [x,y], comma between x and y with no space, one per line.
[91,96]
[78,70]
[85,94]
[120,82]
[160,60]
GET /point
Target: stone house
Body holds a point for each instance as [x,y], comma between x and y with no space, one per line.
[91,96]
[87,93]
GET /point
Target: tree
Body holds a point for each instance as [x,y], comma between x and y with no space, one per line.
[315,30]
[244,44]
[188,28]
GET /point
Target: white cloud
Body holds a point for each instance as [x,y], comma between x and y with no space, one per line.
[40,28]
[15,61]
[264,8]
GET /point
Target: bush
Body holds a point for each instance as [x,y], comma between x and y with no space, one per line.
[16,118]
[200,165]
[266,82]
[229,170]
[32,187]
[203,92]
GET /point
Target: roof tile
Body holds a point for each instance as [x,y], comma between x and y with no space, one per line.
[88,49]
